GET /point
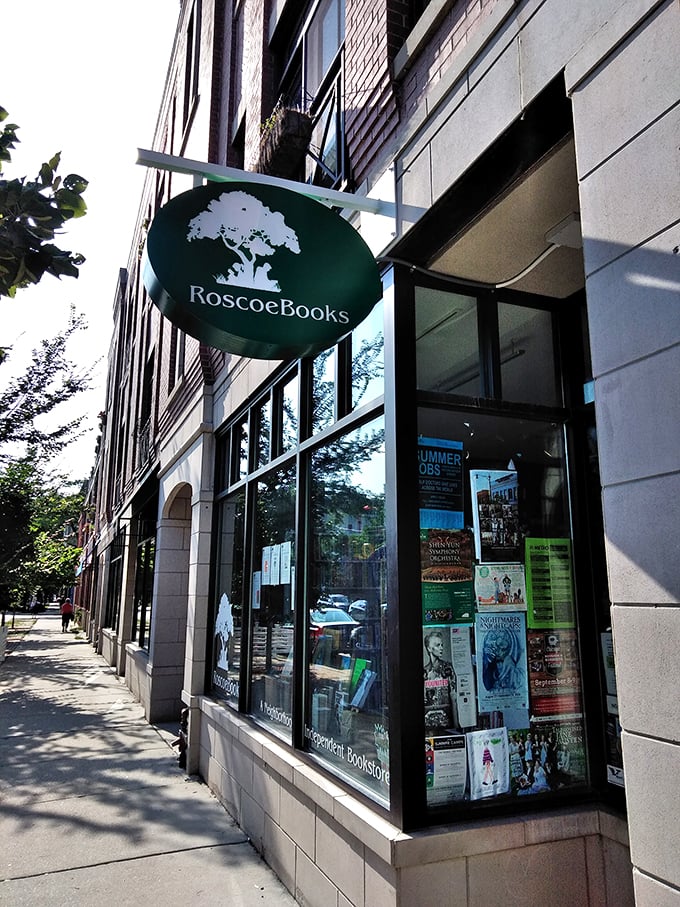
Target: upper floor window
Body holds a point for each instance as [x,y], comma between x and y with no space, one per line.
[322,40]
[311,82]
[191,57]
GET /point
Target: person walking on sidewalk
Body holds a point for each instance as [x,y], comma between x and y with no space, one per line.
[66,614]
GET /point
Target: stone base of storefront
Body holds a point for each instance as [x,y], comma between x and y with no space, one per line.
[328,847]
[109,647]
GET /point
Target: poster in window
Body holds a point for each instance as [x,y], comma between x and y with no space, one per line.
[502,681]
[438,711]
[559,745]
[550,585]
[614,752]
[554,675]
[266,565]
[495,515]
[437,677]
[440,483]
[445,768]
[607,646]
[286,551]
[275,577]
[488,763]
[500,587]
[463,688]
[257,590]
[446,575]
[547,756]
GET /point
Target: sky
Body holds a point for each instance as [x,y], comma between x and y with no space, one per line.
[86,79]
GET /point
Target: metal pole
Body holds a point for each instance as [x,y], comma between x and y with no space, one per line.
[218,173]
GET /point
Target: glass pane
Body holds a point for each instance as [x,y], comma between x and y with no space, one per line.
[323,39]
[368,360]
[272,585]
[502,679]
[242,449]
[447,346]
[143,592]
[264,430]
[347,716]
[527,355]
[290,415]
[323,162]
[229,599]
[323,405]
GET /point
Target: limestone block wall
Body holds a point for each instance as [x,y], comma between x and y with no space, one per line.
[329,848]
[137,676]
[108,644]
[625,88]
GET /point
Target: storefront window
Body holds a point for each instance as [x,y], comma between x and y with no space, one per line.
[229,598]
[241,460]
[502,678]
[347,716]
[323,390]
[271,601]
[527,356]
[141,618]
[447,345]
[264,430]
[115,583]
[291,414]
[368,361]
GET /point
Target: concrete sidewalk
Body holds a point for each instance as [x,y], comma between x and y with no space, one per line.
[93,808]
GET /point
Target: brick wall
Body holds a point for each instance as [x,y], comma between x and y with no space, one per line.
[257,76]
[374,31]
[442,47]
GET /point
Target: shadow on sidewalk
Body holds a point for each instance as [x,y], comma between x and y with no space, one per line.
[79,759]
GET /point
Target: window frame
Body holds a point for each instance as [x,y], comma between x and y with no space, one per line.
[399,404]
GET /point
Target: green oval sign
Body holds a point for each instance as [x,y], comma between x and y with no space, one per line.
[258,270]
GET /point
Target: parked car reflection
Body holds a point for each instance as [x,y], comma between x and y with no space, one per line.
[330,633]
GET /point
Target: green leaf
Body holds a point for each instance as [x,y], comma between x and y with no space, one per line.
[70,203]
[46,175]
[75,183]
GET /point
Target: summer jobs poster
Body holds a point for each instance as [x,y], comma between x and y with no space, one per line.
[440,483]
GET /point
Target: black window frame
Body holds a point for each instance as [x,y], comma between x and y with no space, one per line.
[572,372]
[399,404]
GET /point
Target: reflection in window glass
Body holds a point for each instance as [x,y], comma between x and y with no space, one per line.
[272,585]
[242,449]
[347,716]
[527,355]
[115,583]
[325,35]
[290,414]
[368,362]
[323,392]
[502,677]
[264,429]
[141,620]
[229,599]
[447,346]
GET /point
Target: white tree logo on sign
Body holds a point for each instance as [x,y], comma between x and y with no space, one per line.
[248,229]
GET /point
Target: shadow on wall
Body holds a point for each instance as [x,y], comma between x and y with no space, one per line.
[633,298]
